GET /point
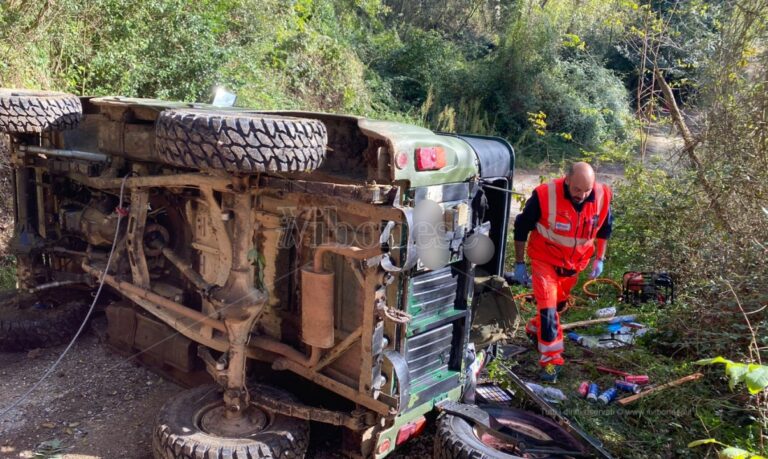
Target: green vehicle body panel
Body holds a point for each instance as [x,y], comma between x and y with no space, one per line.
[461,164]
[410,416]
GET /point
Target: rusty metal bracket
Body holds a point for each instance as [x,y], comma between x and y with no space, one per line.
[354,421]
[339,349]
[137,220]
[220,233]
[400,365]
[212,366]
[335,386]
[188,271]
[411,253]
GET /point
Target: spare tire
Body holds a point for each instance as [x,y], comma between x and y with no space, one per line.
[23,111]
[458,439]
[49,318]
[240,142]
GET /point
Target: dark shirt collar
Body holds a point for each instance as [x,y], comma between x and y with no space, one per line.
[567,193]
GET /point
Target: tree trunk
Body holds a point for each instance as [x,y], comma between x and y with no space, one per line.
[689,149]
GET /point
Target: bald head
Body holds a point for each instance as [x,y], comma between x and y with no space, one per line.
[580,180]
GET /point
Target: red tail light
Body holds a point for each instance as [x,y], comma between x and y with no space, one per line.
[384,446]
[430,158]
[410,430]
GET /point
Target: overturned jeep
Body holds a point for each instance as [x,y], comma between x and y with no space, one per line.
[287,267]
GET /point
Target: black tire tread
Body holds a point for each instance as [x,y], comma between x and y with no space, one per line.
[26,330]
[23,111]
[169,441]
[450,446]
[239,142]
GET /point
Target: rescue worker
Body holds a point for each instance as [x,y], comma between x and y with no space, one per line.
[569,221]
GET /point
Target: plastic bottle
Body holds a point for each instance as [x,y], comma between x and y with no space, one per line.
[549,394]
[605,312]
[584,341]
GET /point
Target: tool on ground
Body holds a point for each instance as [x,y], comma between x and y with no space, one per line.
[611,371]
[586,323]
[630,378]
[620,334]
[653,390]
[585,341]
[647,287]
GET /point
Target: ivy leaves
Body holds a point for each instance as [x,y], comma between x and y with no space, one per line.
[753,375]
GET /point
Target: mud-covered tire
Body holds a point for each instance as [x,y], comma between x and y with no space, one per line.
[456,438]
[50,318]
[239,142]
[178,434]
[23,111]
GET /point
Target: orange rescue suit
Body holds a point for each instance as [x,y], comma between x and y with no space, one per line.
[564,237]
[560,247]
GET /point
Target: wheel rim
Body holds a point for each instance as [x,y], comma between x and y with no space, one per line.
[212,419]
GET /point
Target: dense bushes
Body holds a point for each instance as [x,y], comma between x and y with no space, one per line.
[481,66]
[706,218]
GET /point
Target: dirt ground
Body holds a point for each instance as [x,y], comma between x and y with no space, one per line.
[98,405]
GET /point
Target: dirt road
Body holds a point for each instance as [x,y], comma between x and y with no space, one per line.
[98,405]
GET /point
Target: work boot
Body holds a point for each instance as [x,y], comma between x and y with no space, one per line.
[550,373]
